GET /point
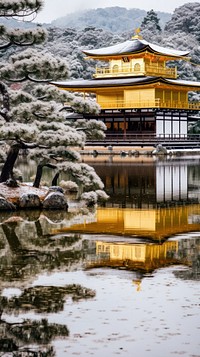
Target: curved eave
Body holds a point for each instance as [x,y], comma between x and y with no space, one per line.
[135,55]
[133,48]
[93,85]
[191,85]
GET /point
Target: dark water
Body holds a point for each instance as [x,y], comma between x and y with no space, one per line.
[123,279]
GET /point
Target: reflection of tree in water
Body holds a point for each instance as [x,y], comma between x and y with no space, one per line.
[32,247]
[189,249]
[26,249]
[17,337]
[42,299]
[190,274]
[47,298]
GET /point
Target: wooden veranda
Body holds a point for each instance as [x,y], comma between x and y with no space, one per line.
[170,141]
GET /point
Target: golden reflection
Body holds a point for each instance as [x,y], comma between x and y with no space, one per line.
[137,283]
[144,257]
[158,223]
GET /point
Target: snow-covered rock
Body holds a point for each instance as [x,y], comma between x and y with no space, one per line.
[29,200]
[55,200]
[5,205]
[56,189]
[160,150]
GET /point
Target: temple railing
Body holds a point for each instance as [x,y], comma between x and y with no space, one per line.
[147,70]
[151,70]
[151,136]
[157,103]
[148,139]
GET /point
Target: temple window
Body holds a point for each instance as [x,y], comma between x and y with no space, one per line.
[137,67]
[115,68]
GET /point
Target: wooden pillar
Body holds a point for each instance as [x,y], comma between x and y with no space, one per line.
[124,127]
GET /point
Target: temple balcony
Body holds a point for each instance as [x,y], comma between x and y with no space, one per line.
[147,70]
[157,103]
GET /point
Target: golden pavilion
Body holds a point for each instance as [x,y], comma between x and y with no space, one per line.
[138,90]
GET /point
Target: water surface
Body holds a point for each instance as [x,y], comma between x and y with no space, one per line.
[123,279]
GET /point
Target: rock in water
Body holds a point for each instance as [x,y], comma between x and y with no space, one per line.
[55,200]
[29,200]
[6,205]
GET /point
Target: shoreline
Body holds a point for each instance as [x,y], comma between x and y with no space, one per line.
[135,151]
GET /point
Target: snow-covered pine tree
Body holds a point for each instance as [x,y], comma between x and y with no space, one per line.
[31,115]
[185,19]
[150,23]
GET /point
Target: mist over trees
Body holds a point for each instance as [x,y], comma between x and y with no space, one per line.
[115,19]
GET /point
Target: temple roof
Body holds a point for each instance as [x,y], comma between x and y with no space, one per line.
[134,46]
[120,82]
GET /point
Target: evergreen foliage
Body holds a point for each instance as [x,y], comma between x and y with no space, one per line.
[185,19]
[32,116]
[151,21]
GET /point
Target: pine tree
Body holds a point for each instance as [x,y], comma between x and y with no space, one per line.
[31,115]
[185,19]
[151,21]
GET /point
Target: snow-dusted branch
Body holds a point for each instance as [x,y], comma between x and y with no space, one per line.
[19,8]
[34,66]
[22,38]
[4,111]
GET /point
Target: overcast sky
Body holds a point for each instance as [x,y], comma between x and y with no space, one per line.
[58,8]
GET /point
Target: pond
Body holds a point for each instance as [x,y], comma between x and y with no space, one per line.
[119,280]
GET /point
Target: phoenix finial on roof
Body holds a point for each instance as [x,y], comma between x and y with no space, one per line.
[137,33]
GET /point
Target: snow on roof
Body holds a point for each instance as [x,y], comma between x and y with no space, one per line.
[102,82]
[134,46]
[110,82]
[183,82]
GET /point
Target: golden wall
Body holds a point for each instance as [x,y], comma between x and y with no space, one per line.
[139,95]
[168,95]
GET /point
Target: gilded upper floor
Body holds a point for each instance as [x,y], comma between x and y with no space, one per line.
[135,57]
[135,67]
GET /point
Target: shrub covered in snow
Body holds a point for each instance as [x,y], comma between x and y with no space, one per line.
[69,186]
[90,198]
[93,197]
[102,196]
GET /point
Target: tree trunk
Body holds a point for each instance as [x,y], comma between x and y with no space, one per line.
[8,166]
[13,240]
[38,176]
[55,179]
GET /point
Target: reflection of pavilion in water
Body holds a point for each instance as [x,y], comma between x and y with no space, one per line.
[147,185]
[144,257]
[155,223]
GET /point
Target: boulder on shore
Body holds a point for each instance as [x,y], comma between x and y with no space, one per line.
[26,196]
[56,189]
[55,200]
[29,200]
[160,150]
[6,205]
